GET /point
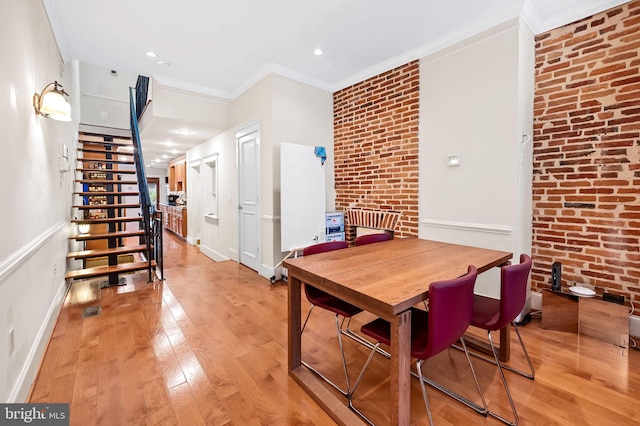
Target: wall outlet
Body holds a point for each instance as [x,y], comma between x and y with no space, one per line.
[12,341]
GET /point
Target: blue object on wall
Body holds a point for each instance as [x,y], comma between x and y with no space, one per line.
[322,153]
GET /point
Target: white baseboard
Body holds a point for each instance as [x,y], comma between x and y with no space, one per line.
[534,302]
[213,254]
[30,368]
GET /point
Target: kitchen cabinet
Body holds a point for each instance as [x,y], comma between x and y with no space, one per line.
[175,219]
[178,174]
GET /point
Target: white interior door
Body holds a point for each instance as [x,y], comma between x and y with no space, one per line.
[249,207]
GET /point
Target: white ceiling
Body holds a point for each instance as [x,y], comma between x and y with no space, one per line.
[222,47]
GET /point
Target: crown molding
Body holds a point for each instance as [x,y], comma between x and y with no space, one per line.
[540,24]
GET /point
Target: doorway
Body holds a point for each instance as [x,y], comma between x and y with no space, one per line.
[248,140]
[153,183]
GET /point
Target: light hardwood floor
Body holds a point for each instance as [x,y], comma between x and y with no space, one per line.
[209,346]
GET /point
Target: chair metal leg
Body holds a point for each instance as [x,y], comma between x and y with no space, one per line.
[526,354]
[424,390]
[307,318]
[506,388]
[359,339]
[529,375]
[355,386]
[482,409]
[344,361]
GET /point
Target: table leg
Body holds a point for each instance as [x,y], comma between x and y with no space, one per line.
[295,324]
[401,369]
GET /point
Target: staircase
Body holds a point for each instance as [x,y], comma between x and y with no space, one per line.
[114,238]
[119,229]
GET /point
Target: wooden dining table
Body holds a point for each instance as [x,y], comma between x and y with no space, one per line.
[386,279]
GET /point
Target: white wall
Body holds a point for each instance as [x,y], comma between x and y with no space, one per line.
[218,237]
[287,111]
[37,196]
[476,102]
[105,97]
[302,115]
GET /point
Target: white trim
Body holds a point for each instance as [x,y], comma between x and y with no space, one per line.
[56,28]
[212,254]
[247,129]
[585,8]
[192,87]
[269,218]
[467,226]
[282,71]
[106,98]
[30,367]
[17,258]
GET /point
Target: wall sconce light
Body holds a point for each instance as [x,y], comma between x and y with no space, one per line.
[84,228]
[51,103]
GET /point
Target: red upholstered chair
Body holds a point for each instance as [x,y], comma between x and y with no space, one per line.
[449,316]
[493,314]
[373,238]
[333,304]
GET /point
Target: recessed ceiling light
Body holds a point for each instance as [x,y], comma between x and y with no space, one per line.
[168,143]
[184,132]
[317,51]
[151,54]
[174,151]
[165,156]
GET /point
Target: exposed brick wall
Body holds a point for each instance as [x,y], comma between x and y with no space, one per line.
[586,165]
[376,145]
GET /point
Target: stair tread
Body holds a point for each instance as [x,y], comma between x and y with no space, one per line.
[107,181]
[104,160]
[117,234]
[104,151]
[117,142]
[115,171]
[109,219]
[102,193]
[105,270]
[85,254]
[107,206]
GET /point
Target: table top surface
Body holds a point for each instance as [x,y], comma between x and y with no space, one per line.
[389,277]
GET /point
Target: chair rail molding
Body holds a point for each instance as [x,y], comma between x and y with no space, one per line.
[25,252]
[468,226]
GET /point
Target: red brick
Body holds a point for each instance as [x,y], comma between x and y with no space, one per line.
[585,142]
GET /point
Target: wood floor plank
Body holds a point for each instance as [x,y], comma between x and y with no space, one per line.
[209,346]
[185,406]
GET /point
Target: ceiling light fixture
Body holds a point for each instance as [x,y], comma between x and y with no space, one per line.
[51,102]
[185,132]
[151,54]
[317,51]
